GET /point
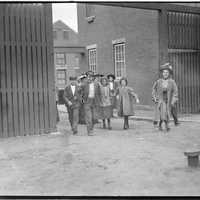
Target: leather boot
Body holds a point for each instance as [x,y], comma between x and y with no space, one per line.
[167,126]
[127,122]
[160,125]
[109,126]
[104,123]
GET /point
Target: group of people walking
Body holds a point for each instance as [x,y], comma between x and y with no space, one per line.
[92,97]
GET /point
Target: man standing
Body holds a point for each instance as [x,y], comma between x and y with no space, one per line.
[90,96]
[173,106]
[73,99]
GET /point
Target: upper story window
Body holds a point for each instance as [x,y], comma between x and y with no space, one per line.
[92,59]
[60,58]
[61,77]
[119,60]
[90,13]
[89,9]
[54,34]
[66,35]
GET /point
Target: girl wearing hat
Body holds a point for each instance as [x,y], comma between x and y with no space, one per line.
[126,97]
[105,108]
[113,87]
[164,94]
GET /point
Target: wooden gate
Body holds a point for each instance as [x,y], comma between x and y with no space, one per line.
[27,96]
[184,54]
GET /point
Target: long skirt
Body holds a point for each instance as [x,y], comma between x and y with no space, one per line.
[164,111]
[105,112]
[81,114]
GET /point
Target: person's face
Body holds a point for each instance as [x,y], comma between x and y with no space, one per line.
[123,83]
[73,82]
[90,79]
[165,74]
[110,78]
[96,79]
[104,82]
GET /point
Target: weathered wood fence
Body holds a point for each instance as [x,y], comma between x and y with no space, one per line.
[27,91]
[184,54]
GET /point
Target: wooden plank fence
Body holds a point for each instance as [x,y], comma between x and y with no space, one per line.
[27,91]
[184,54]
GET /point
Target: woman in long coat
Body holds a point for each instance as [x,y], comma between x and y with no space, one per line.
[165,94]
[126,100]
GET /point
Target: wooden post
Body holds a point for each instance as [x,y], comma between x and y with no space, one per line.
[163,36]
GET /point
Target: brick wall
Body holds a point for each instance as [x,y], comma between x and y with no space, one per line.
[140,30]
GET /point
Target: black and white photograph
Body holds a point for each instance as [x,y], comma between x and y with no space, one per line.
[99,98]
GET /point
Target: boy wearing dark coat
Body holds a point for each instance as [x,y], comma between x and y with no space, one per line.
[72,96]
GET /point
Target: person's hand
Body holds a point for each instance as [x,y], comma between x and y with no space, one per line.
[69,103]
[137,101]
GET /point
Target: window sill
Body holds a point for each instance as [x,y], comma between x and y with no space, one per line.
[90,19]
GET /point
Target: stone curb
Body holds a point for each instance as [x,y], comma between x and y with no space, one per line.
[139,118]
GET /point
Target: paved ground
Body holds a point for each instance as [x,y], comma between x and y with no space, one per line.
[140,161]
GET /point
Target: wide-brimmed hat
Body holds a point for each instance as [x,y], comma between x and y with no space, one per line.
[166,66]
[111,75]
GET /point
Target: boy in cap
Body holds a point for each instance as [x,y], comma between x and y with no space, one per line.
[90,97]
[73,99]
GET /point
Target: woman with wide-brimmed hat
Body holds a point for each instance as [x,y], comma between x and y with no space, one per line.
[164,94]
[126,99]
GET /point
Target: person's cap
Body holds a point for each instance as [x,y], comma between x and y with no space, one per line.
[111,75]
[81,77]
[72,78]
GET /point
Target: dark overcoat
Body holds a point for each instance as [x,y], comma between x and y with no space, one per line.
[75,99]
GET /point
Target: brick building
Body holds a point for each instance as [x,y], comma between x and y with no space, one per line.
[67,53]
[133,42]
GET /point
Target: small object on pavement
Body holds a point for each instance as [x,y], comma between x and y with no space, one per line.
[193,157]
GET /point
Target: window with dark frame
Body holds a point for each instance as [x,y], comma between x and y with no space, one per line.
[92,59]
[60,59]
[66,35]
[61,76]
[119,60]
[89,10]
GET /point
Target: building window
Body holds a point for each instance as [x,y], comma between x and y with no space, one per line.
[66,35]
[60,58]
[89,10]
[61,77]
[54,34]
[119,60]
[92,59]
